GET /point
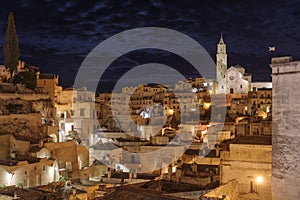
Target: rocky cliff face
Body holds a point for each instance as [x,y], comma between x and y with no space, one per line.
[11,88]
[23,117]
[21,106]
[22,126]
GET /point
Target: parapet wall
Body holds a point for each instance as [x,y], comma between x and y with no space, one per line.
[286,123]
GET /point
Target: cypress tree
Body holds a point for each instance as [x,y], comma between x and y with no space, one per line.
[11,47]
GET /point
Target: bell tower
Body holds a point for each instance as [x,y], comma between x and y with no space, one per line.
[221,60]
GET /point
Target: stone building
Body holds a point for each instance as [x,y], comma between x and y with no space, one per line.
[48,83]
[76,113]
[67,158]
[238,107]
[253,126]
[286,108]
[257,85]
[249,162]
[260,102]
[20,167]
[236,81]
[10,145]
[26,172]
[233,80]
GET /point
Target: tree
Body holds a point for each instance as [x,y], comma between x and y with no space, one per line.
[27,78]
[11,47]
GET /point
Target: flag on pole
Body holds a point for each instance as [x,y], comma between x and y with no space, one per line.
[271,48]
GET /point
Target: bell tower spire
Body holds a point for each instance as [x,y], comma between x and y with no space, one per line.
[221,39]
[221,59]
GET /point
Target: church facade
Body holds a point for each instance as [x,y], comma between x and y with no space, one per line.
[233,80]
[236,81]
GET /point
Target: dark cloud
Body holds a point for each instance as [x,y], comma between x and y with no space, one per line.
[56,35]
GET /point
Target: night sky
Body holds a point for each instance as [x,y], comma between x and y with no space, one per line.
[57,35]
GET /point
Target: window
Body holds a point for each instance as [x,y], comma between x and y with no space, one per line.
[44,168]
[82,111]
[241,86]
[132,159]
[26,172]
[253,188]
[69,166]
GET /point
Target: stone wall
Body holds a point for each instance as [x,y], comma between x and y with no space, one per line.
[245,164]
[11,88]
[228,190]
[64,152]
[27,174]
[26,126]
[26,103]
[195,180]
[286,122]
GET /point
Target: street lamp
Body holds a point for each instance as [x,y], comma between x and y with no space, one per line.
[259,179]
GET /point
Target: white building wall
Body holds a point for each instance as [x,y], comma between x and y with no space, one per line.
[233,83]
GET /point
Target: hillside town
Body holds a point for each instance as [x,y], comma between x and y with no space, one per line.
[72,143]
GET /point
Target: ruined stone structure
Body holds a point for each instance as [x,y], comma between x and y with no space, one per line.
[286,111]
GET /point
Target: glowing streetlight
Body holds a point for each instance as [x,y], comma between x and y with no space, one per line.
[259,179]
[206,105]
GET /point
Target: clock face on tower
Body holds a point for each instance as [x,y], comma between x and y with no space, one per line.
[231,78]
